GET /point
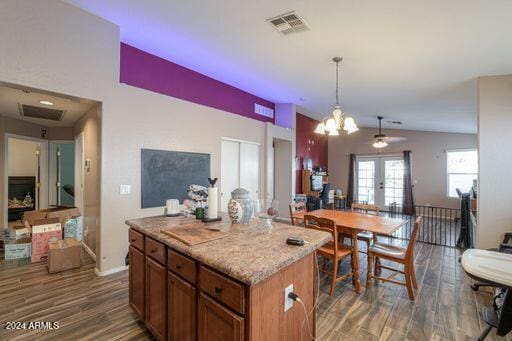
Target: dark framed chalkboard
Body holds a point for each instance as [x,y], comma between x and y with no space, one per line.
[167,175]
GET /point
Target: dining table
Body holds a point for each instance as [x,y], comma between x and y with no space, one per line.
[348,220]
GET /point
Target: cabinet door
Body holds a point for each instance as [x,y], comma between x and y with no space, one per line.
[250,168]
[181,306]
[156,298]
[217,322]
[137,279]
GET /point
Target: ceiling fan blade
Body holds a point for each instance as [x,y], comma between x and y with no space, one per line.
[394,139]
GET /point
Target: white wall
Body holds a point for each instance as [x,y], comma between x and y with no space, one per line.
[428,159]
[22,157]
[283,185]
[89,126]
[82,59]
[495,162]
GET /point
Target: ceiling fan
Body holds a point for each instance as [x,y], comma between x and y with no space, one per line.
[381,140]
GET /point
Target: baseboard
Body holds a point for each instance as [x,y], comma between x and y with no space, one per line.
[89,251]
[111,271]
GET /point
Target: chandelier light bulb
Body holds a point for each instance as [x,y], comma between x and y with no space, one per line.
[380,144]
[330,125]
[320,128]
[334,133]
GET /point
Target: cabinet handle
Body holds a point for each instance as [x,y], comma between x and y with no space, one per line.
[218,290]
[153,250]
[179,266]
[133,240]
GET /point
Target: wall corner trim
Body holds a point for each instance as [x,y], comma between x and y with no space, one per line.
[110,271]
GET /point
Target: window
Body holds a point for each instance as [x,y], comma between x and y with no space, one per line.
[462,170]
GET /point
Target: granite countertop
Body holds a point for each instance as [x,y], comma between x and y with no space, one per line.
[248,253]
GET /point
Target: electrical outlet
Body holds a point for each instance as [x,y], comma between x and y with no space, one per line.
[288,302]
[86,231]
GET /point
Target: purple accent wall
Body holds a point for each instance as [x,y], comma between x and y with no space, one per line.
[283,115]
[146,71]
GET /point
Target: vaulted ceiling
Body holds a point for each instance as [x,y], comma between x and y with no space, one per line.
[411,61]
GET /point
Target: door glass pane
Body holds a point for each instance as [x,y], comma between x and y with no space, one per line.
[366,181]
[393,182]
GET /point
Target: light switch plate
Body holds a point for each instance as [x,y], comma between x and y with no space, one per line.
[288,302]
[125,189]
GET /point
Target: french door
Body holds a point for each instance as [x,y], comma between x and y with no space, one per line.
[380,180]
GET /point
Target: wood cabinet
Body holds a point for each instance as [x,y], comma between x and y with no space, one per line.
[223,289]
[156,298]
[182,265]
[137,279]
[181,311]
[181,298]
[217,323]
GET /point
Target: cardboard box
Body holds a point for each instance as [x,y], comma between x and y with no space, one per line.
[73,228]
[64,255]
[17,232]
[18,249]
[61,212]
[2,239]
[42,231]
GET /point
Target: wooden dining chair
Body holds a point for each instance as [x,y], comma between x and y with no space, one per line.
[365,236]
[334,251]
[298,207]
[398,255]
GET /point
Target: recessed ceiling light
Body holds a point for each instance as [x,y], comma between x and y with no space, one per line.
[46,102]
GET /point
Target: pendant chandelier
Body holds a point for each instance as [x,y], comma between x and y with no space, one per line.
[331,125]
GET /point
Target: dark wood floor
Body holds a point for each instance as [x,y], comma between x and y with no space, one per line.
[88,307]
[445,307]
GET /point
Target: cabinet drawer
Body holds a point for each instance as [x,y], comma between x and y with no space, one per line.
[156,250]
[222,289]
[136,239]
[182,265]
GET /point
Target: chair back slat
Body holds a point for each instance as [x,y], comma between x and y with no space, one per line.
[365,208]
[298,207]
[322,224]
[412,240]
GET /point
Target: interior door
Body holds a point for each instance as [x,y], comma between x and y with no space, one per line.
[250,168]
[229,172]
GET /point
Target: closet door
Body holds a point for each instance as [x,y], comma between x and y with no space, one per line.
[250,168]
[230,171]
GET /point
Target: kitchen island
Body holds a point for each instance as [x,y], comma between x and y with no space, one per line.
[232,288]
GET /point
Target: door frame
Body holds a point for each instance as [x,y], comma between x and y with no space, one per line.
[42,178]
[379,188]
[239,141]
[79,172]
[52,178]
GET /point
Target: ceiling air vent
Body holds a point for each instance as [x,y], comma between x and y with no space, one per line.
[40,112]
[288,23]
[395,122]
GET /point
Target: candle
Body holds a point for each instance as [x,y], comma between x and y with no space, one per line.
[172,206]
[212,203]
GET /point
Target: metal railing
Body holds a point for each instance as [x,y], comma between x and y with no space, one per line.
[439,225]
